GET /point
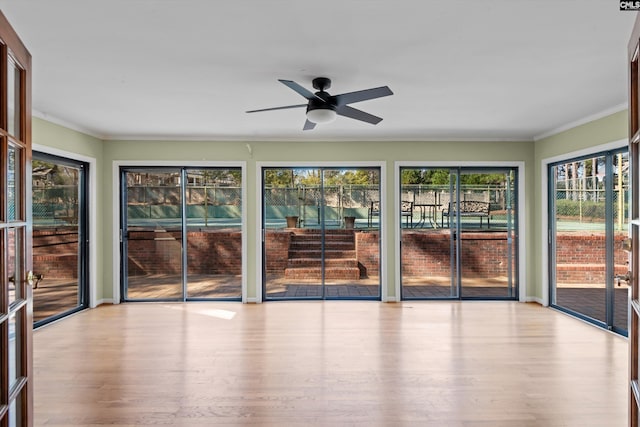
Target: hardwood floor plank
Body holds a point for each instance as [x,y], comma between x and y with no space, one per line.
[329,363]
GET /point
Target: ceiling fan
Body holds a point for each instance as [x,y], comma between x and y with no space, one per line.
[323,107]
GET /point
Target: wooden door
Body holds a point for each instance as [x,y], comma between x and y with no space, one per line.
[16,305]
[634,160]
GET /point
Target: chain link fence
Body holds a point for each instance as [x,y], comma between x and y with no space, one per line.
[309,203]
[590,204]
[55,205]
[499,196]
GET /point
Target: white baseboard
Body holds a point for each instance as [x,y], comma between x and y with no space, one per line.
[534,299]
[253,300]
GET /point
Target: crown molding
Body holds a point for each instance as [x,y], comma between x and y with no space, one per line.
[69,125]
[582,121]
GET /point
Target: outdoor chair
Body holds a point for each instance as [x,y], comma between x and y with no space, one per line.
[374,211]
[406,211]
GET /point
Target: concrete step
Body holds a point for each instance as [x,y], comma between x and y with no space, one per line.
[334,273]
[317,262]
[317,253]
[330,245]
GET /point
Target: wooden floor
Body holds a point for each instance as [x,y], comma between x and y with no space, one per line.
[329,364]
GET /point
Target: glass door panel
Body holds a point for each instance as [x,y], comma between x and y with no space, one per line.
[351,252]
[13,98]
[59,237]
[428,252]
[152,234]
[588,221]
[13,265]
[14,350]
[13,183]
[320,237]
[214,233]
[292,224]
[620,208]
[579,222]
[485,217]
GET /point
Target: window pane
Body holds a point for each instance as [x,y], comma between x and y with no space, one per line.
[16,418]
[14,352]
[13,183]
[13,265]
[214,233]
[12,414]
[13,100]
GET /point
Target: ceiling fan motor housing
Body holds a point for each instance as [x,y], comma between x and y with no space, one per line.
[321,83]
[325,102]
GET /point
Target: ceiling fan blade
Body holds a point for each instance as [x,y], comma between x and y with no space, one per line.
[354,113]
[277,108]
[301,90]
[362,95]
[308,125]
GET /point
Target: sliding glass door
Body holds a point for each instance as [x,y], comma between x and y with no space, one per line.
[321,233]
[458,233]
[181,233]
[588,222]
[152,234]
[60,238]
[486,225]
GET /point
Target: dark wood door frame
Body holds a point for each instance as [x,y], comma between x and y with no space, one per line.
[634,160]
[16,382]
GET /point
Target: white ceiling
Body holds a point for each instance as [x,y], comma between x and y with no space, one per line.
[189,69]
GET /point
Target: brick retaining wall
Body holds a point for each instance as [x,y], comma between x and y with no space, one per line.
[368,253]
[428,254]
[55,252]
[580,255]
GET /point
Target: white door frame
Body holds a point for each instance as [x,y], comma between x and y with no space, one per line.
[522,284]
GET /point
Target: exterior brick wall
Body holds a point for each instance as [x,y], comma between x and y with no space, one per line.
[277,247]
[218,252]
[580,257]
[586,248]
[425,254]
[55,252]
[368,253]
[157,252]
[428,254]
[208,252]
[485,255]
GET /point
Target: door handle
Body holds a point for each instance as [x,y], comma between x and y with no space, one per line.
[31,278]
[626,277]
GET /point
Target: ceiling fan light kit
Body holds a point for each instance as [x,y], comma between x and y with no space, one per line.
[321,115]
[324,108]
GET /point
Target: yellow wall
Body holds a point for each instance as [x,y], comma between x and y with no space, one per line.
[388,152]
[64,140]
[530,153]
[606,130]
